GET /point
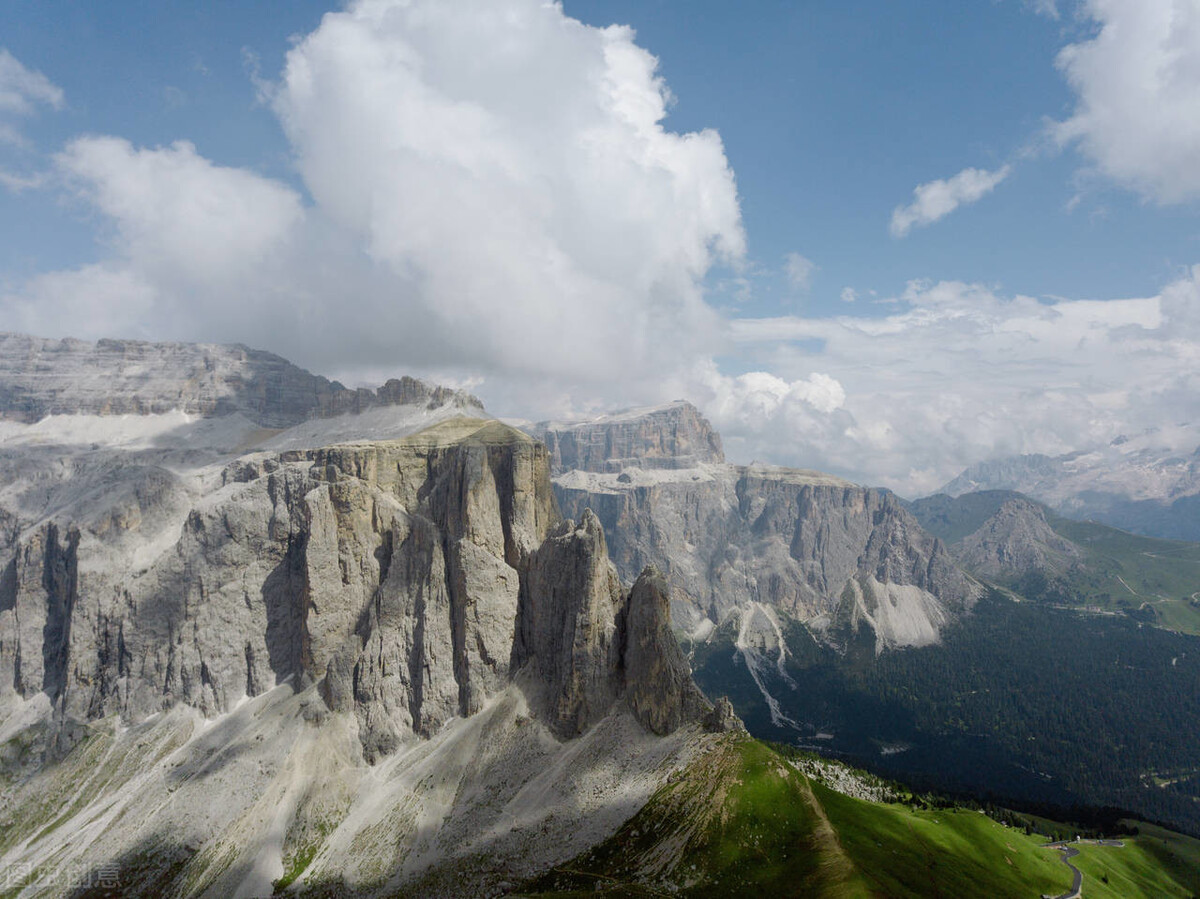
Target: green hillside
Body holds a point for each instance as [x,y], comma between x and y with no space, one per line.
[1152,580]
[744,821]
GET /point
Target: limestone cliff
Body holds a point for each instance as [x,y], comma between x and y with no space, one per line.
[409,578]
[671,436]
[393,650]
[808,546]
[40,377]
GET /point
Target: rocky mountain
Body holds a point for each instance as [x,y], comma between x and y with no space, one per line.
[365,655]
[759,549]
[760,542]
[353,665]
[1015,540]
[673,436]
[1010,540]
[41,377]
[1148,484]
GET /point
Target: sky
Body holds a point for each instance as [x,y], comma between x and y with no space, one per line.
[879,239]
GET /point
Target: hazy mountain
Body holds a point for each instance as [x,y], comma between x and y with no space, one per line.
[1148,484]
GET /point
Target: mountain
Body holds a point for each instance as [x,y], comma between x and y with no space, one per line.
[757,547]
[673,436]
[756,542]
[274,659]
[1023,546]
[1148,484]
[364,654]
[40,377]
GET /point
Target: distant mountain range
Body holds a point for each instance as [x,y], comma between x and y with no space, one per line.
[1148,484]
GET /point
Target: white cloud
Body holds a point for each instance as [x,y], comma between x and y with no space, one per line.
[22,89]
[494,193]
[799,270]
[1137,116]
[935,200]
[962,374]
[1047,8]
[849,295]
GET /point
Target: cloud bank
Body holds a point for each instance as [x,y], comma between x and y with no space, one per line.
[961,373]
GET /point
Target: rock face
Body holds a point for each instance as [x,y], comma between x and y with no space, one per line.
[40,377]
[588,643]
[410,578]
[660,688]
[671,436]
[808,546]
[400,647]
[1014,541]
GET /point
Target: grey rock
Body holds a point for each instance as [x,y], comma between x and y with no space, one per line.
[659,686]
[589,644]
[1017,539]
[802,543]
[723,719]
[40,377]
[671,436]
[570,627]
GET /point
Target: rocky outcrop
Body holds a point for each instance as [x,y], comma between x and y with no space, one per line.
[671,436]
[1016,540]
[587,644]
[658,681]
[571,629]
[40,377]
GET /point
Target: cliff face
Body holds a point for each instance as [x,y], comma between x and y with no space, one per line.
[388,649]
[806,545]
[411,579]
[40,377]
[672,436]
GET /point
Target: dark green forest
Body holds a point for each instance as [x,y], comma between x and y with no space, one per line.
[1022,703]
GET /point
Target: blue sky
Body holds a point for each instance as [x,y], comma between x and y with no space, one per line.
[829,115]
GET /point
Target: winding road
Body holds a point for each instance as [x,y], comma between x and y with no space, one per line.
[1068,853]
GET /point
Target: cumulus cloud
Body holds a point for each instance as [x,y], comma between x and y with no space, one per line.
[1137,81]
[493,190]
[935,200]
[799,270]
[491,196]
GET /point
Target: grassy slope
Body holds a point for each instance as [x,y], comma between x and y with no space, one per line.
[1164,573]
[742,821]
[1120,570]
